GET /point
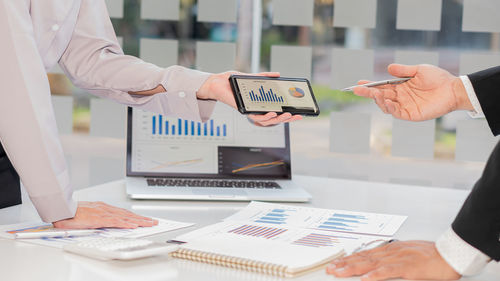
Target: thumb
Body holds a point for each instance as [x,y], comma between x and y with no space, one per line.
[400,70]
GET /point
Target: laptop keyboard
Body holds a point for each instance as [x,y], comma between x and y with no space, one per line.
[213,183]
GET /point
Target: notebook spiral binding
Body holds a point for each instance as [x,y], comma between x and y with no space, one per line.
[232,262]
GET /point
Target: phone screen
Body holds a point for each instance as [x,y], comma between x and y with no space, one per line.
[272,95]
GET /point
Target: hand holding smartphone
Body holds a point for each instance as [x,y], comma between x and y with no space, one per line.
[259,95]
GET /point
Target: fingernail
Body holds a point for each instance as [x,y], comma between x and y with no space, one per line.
[332,266]
[330,269]
[339,270]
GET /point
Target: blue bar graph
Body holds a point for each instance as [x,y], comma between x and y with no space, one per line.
[349,216]
[335,228]
[263,96]
[182,127]
[275,216]
[273,219]
[343,222]
[154,125]
[160,122]
[264,221]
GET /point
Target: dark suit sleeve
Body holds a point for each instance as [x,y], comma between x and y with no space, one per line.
[486,84]
[478,222]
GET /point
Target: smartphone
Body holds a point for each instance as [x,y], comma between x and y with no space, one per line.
[259,95]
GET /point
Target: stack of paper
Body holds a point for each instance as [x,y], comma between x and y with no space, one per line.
[8,231]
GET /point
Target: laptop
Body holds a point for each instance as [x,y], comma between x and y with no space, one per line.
[225,158]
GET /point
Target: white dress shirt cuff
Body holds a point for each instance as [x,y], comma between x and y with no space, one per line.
[55,206]
[464,258]
[478,111]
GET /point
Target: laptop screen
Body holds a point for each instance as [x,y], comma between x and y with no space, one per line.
[226,146]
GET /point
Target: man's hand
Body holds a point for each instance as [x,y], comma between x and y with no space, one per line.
[217,88]
[99,214]
[414,260]
[432,92]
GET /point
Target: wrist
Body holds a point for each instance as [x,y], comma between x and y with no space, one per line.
[205,92]
[461,98]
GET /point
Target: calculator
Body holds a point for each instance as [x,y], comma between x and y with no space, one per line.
[119,248]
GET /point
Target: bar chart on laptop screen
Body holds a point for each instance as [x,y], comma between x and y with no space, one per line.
[159,127]
[165,144]
[181,127]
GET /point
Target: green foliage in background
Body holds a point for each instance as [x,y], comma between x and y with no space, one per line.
[333,100]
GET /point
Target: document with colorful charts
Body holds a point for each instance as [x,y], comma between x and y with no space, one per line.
[320,219]
[59,242]
[305,227]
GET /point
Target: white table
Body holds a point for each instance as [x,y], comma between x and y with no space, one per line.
[430,211]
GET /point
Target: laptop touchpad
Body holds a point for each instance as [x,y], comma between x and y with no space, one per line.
[213,191]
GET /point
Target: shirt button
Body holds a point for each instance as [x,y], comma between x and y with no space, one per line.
[182,94]
[55,27]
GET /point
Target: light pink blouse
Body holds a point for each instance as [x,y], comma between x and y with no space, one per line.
[78,35]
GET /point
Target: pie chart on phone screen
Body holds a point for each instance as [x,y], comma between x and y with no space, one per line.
[296,92]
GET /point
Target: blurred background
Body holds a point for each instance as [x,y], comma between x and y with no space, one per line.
[332,42]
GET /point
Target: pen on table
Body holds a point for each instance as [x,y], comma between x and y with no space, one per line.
[55,233]
[379,83]
[373,244]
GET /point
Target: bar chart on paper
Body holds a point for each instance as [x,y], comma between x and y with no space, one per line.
[318,240]
[358,222]
[321,219]
[275,216]
[343,222]
[258,231]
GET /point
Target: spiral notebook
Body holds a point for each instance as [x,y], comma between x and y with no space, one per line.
[262,256]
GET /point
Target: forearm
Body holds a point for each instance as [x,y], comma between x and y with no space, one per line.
[478,222]
[94,61]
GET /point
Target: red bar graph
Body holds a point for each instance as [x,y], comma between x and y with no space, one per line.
[258,231]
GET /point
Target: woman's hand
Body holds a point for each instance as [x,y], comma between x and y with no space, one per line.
[415,260]
[99,215]
[431,93]
[217,88]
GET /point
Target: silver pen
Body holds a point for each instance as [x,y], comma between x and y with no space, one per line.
[379,83]
[373,244]
[62,233]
